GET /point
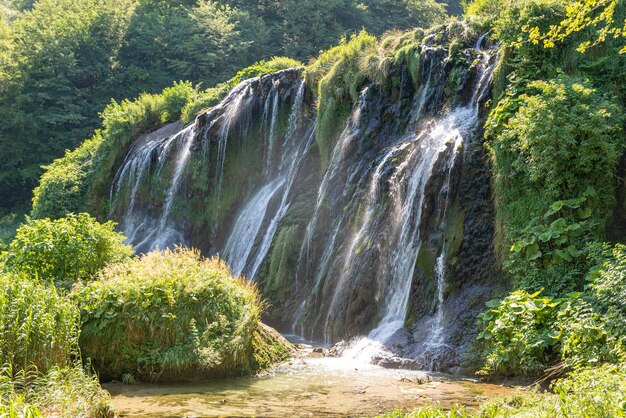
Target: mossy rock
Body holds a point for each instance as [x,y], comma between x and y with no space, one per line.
[174,316]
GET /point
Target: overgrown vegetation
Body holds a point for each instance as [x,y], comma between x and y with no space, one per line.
[39,328]
[525,334]
[62,391]
[552,136]
[172,315]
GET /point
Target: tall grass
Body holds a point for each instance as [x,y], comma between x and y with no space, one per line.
[338,77]
[38,328]
[61,392]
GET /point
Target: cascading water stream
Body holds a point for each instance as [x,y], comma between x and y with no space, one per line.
[440,138]
[239,249]
[241,241]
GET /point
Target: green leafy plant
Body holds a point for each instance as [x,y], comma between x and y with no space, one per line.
[555,241]
[38,328]
[65,250]
[517,334]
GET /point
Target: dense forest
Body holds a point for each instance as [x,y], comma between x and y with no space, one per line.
[532,220]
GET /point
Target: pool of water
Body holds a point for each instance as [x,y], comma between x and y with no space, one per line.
[305,387]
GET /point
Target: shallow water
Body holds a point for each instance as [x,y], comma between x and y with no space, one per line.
[307,387]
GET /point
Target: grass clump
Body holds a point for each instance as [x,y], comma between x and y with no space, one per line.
[61,392]
[170,315]
[40,372]
[65,250]
[38,327]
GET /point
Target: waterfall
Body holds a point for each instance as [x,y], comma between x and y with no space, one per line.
[247,227]
[366,245]
[233,104]
[454,128]
[241,240]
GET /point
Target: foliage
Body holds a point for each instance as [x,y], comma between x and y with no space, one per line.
[169,315]
[338,77]
[63,391]
[581,15]
[525,334]
[553,138]
[52,61]
[38,328]
[65,250]
[9,223]
[517,335]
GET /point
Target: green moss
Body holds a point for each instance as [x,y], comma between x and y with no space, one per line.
[269,348]
[283,259]
[426,261]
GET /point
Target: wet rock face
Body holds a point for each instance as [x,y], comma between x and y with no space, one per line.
[392,239]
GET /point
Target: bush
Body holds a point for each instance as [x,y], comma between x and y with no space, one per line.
[65,250]
[525,334]
[593,331]
[38,328]
[169,315]
[517,335]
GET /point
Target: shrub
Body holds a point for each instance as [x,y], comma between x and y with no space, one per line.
[62,188]
[65,250]
[596,331]
[169,315]
[526,334]
[517,334]
[38,328]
